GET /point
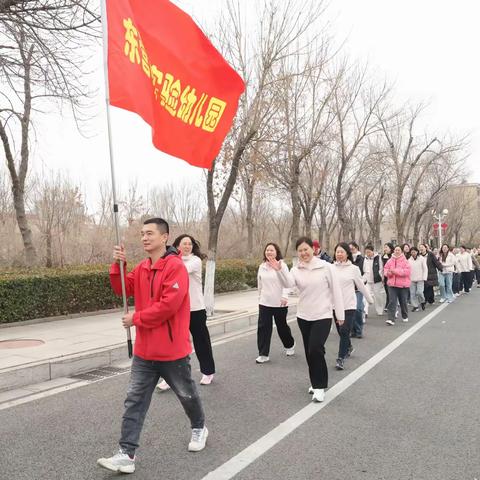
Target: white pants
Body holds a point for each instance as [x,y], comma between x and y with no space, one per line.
[378,293]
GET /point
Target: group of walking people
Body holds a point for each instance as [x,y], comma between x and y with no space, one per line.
[169,307]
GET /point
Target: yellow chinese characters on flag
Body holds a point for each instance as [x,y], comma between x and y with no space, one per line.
[162,67]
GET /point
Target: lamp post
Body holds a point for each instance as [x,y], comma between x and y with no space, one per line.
[438,218]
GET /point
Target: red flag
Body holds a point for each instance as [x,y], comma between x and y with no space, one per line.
[162,66]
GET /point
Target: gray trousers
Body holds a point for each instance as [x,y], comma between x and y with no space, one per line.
[416,293]
[143,379]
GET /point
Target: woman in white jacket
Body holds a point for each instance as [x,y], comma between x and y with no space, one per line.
[349,277]
[445,277]
[273,301]
[319,294]
[192,258]
[418,277]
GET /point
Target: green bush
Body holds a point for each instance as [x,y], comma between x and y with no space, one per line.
[27,294]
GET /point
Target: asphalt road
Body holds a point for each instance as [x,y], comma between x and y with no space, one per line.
[414,415]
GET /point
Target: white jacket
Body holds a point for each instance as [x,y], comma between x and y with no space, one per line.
[368,268]
[319,290]
[464,262]
[449,263]
[349,276]
[418,269]
[194,269]
[270,287]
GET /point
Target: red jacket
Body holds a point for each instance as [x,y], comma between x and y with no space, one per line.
[162,306]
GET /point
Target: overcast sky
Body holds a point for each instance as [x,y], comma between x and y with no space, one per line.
[427,48]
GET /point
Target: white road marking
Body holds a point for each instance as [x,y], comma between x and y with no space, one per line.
[247,456]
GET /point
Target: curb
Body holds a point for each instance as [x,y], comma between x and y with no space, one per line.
[68,365]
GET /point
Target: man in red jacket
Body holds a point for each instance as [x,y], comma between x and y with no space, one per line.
[159,285]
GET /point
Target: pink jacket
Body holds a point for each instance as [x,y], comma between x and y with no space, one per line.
[397,271]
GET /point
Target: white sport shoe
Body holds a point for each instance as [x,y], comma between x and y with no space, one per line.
[404,320]
[262,359]
[310,390]
[290,351]
[442,300]
[390,322]
[206,379]
[198,440]
[163,386]
[120,462]
[318,395]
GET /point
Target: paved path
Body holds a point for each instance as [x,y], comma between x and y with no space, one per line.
[406,407]
[89,332]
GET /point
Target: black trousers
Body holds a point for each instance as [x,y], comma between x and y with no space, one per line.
[201,341]
[428,293]
[315,334]
[344,332]
[467,280]
[266,315]
[385,286]
[398,296]
[457,285]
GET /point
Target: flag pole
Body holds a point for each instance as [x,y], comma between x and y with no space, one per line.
[112,167]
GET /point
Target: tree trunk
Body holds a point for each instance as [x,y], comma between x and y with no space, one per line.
[209,290]
[20,215]
[48,250]
[249,220]
[296,207]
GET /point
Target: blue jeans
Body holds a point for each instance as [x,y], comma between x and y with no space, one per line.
[416,294]
[445,281]
[358,320]
[143,379]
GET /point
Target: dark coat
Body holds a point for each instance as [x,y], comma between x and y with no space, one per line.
[433,264]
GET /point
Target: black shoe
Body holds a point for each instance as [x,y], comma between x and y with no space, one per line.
[423,306]
[415,309]
[350,351]
[340,365]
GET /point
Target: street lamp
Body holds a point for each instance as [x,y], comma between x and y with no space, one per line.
[440,226]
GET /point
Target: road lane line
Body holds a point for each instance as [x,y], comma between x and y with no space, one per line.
[247,456]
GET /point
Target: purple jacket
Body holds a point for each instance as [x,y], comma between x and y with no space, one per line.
[397,271]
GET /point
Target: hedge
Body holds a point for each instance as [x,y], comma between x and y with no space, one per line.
[37,293]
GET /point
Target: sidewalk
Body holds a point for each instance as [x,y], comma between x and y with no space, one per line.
[76,345]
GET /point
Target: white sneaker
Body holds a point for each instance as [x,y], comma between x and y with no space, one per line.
[442,300]
[198,440]
[318,395]
[206,379]
[262,359]
[120,462]
[396,314]
[163,386]
[404,320]
[390,322]
[290,351]
[310,390]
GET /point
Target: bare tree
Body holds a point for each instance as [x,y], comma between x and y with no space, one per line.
[355,102]
[58,213]
[279,27]
[411,157]
[36,65]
